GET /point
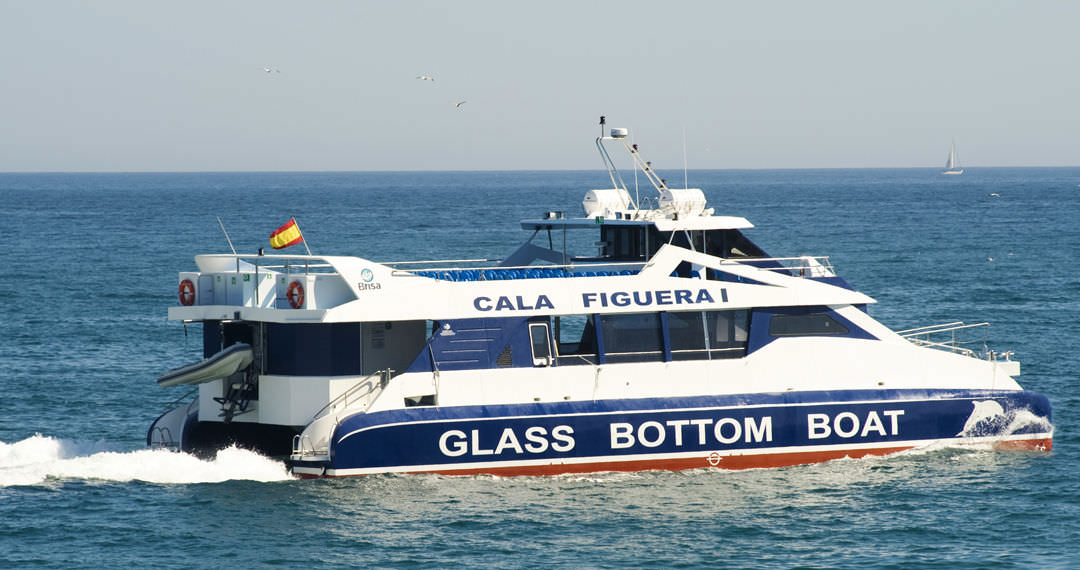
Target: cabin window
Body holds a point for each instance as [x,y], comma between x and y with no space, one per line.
[708,335]
[812,324]
[686,332]
[623,243]
[639,337]
[736,245]
[633,337]
[728,333]
[575,338]
[541,344]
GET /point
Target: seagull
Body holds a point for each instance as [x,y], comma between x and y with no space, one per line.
[269,69]
[459,104]
[425,78]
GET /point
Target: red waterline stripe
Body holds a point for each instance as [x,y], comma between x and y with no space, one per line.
[732,462]
[726,462]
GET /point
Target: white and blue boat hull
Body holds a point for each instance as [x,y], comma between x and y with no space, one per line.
[726,432]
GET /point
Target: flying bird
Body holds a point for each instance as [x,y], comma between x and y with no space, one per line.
[425,78]
[273,69]
[459,104]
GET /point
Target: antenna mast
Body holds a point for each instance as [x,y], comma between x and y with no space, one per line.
[685,183]
[226,235]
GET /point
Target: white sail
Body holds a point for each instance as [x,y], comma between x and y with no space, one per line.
[952,165]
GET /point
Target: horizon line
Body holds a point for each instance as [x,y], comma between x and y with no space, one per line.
[463,170]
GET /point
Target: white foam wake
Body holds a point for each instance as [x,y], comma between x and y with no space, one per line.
[39,458]
[989,418]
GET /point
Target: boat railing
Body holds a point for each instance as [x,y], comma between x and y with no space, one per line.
[302,446]
[500,273]
[801,266]
[186,395]
[272,262]
[396,264]
[363,391]
[162,437]
[952,337]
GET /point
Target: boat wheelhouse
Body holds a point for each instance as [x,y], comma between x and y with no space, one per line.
[676,344]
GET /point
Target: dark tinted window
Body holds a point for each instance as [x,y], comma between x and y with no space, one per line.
[728,332]
[686,332]
[708,335]
[812,324]
[632,337]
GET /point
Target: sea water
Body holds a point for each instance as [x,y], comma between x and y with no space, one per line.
[89,268]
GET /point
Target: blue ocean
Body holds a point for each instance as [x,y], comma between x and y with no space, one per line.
[90,265]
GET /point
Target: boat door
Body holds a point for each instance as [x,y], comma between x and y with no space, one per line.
[540,340]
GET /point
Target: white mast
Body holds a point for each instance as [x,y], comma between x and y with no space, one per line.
[952,165]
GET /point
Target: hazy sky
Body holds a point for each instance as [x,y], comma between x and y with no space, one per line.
[180,86]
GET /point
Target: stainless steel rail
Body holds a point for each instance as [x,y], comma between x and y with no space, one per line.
[931,337]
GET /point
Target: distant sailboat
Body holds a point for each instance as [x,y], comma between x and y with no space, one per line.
[952,165]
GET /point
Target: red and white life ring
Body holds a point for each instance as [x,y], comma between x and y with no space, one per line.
[295,295]
[187,293]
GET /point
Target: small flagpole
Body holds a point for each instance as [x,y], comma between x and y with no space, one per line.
[302,236]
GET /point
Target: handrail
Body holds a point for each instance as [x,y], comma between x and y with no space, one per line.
[804,259]
[582,267]
[436,261]
[944,346]
[299,440]
[806,266]
[933,329]
[182,398]
[298,447]
[344,396]
[165,439]
[906,331]
[921,336]
[795,258]
[566,266]
[811,263]
[263,256]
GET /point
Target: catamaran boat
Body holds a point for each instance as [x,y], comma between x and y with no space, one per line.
[677,344]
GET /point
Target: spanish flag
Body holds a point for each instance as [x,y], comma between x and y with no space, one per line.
[286,235]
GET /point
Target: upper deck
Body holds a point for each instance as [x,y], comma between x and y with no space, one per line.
[298,288]
[671,247]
